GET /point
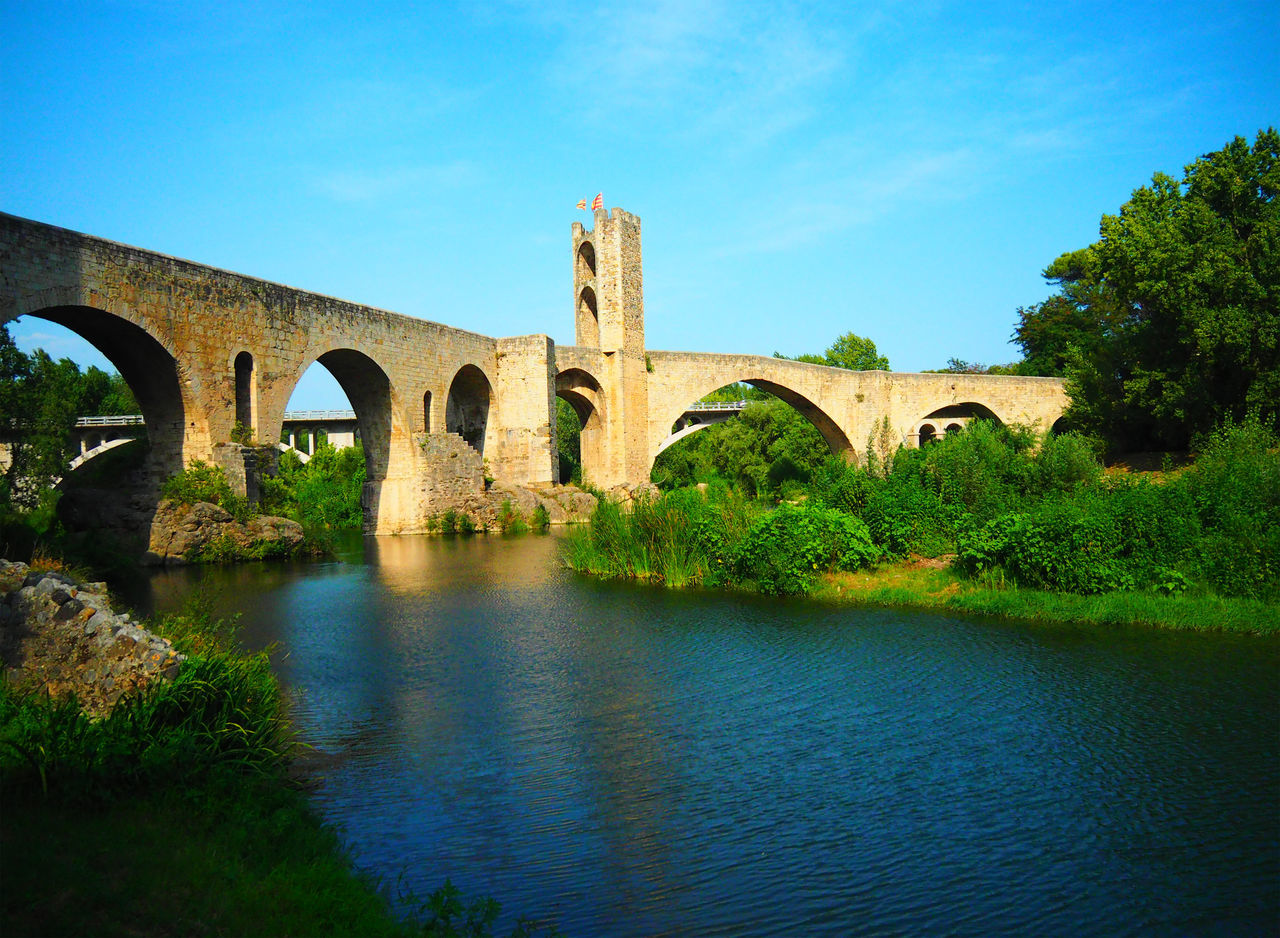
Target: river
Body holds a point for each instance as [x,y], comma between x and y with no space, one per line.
[625,760]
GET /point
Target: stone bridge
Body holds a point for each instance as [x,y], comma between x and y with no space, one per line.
[205,350]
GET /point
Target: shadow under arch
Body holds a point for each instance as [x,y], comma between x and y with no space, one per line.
[466,409]
[150,370]
[587,319]
[950,418]
[585,395]
[836,439]
[385,439]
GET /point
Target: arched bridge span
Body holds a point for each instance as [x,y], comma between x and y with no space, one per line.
[205,350]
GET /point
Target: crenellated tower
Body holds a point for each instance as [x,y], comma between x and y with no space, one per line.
[608,298]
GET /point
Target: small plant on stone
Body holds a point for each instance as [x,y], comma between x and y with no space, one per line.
[242,434]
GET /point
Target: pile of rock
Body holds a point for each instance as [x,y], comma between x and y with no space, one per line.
[180,532]
[61,637]
[564,504]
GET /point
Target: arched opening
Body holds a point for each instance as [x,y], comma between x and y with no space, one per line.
[246,395]
[586,261]
[953,418]
[587,321]
[71,362]
[466,410]
[130,369]
[341,423]
[580,436]
[757,435]
[426,412]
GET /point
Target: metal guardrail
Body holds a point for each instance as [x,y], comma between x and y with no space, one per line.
[121,420]
[290,416]
[716,405]
[295,415]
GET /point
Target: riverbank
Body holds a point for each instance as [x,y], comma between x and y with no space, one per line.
[174,808]
[931,584]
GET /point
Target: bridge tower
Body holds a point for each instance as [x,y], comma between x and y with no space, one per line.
[608,297]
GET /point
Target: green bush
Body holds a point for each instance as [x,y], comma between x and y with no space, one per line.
[1235,486]
[202,482]
[1065,546]
[786,550]
[841,484]
[324,494]
[905,518]
[981,546]
[1064,463]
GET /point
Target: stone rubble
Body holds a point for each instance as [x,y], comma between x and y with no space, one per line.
[62,637]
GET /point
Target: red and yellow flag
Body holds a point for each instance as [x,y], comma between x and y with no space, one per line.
[597,202]
[582,204]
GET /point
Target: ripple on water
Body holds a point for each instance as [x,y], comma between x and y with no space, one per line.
[638,762]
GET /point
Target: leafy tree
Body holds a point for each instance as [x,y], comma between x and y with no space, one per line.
[766,446]
[40,400]
[1169,324]
[568,441]
[957,366]
[848,351]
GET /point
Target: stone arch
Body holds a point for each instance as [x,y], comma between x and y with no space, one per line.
[426,411]
[584,394]
[951,418]
[152,372]
[383,431]
[246,392]
[586,262]
[588,319]
[837,440]
[466,410]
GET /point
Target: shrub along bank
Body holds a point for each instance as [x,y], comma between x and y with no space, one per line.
[1019,514]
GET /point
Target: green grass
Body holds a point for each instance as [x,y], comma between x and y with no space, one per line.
[908,585]
[232,856]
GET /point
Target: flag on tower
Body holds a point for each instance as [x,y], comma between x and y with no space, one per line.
[582,204]
[598,202]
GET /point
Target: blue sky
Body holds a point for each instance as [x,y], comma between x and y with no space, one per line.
[900,170]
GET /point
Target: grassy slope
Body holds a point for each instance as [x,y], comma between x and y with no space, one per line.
[928,585]
[230,858]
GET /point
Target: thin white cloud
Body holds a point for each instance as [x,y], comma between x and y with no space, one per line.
[746,73]
[373,185]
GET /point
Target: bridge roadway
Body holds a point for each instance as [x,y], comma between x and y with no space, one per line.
[205,349]
[300,432]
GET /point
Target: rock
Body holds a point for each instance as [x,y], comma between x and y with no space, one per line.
[67,647]
[179,532]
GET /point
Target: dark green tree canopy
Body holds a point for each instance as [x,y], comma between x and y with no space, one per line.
[1170,323]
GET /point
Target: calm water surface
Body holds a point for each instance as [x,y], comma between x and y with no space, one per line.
[628,761]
